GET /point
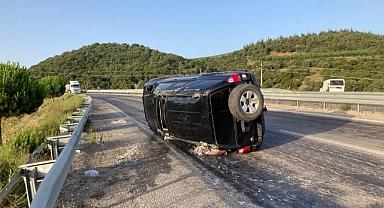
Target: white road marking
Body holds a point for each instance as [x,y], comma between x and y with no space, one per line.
[336,143]
[137,122]
[330,116]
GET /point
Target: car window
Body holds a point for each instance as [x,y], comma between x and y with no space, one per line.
[163,86]
[337,82]
[177,85]
[203,84]
[170,85]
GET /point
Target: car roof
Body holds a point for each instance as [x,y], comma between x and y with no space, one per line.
[211,75]
[333,79]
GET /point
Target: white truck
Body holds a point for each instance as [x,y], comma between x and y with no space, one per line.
[73,87]
[333,85]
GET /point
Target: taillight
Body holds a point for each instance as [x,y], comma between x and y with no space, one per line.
[234,78]
[244,149]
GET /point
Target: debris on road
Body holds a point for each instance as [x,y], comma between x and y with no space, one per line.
[207,150]
[92,173]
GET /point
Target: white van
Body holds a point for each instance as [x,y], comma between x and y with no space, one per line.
[333,85]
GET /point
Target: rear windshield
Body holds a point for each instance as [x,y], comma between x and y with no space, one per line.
[337,82]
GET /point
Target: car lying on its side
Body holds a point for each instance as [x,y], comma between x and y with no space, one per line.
[223,109]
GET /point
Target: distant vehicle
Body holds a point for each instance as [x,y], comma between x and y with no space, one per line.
[333,85]
[224,110]
[73,87]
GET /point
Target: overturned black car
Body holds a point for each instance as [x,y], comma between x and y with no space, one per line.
[223,109]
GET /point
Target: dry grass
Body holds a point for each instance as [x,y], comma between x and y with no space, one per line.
[47,113]
[17,150]
[315,74]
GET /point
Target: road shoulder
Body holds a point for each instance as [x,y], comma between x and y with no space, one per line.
[133,169]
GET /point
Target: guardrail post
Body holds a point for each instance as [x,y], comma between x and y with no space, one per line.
[67,128]
[325,105]
[29,187]
[57,142]
[34,173]
[358,107]
[53,146]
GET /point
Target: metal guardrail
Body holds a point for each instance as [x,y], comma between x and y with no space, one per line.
[7,188]
[52,173]
[50,187]
[128,91]
[324,98]
[355,98]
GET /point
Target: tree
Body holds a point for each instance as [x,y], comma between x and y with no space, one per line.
[340,54]
[54,86]
[19,92]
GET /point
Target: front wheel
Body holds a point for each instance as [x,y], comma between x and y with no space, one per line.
[246,102]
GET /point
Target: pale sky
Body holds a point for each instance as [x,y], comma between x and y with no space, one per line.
[32,31]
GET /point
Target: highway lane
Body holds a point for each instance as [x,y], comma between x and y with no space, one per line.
[355,134]
[306,160]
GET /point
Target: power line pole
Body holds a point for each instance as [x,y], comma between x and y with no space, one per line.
[261,73]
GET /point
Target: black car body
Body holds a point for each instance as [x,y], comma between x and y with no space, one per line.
[223,109]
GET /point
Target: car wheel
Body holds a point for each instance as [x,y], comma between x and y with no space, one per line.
[246,102]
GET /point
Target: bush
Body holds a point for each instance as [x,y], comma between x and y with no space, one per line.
[28,140]
[345,107]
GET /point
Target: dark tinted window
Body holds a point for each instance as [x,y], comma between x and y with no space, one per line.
[163,86]
[337,82]
[178,85]
[170,85]
[203,84]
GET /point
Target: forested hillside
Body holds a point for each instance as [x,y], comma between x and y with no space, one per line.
[298,62]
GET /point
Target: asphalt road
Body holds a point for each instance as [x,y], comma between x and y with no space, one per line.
[306,160]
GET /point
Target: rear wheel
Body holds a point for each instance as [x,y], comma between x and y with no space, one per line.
[246,102]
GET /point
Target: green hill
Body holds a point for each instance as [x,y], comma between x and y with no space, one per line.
[295,62]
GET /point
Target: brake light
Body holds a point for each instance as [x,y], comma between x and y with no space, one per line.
[234,78]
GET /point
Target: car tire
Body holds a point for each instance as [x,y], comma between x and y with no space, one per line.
[246,102]
[260,125]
